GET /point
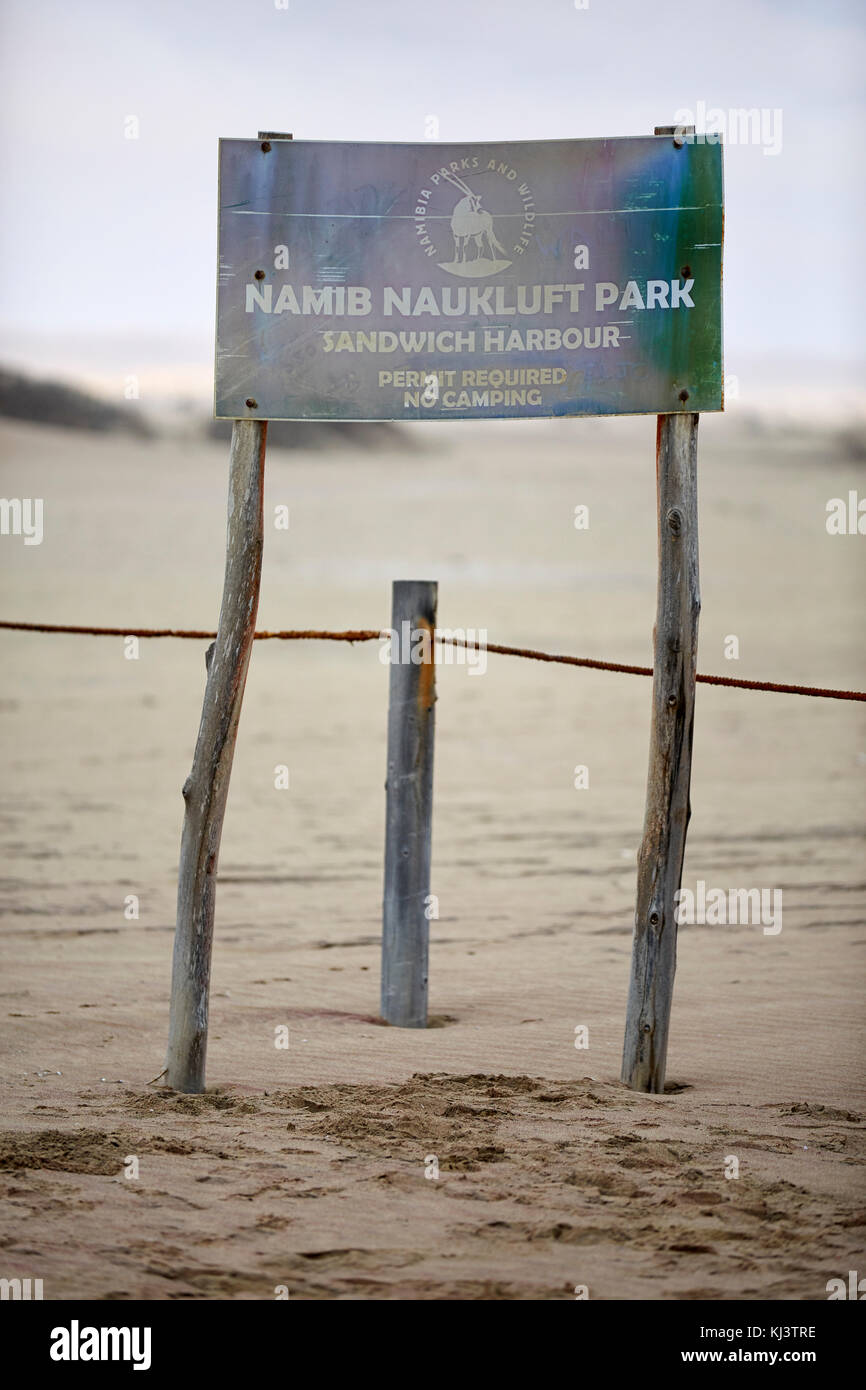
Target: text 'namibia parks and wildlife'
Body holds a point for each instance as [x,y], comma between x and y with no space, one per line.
[387,282]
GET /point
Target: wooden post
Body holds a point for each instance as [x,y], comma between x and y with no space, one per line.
[409,805]
[668,809]
[206,789]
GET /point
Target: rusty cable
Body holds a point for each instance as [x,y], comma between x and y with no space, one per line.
[373,634]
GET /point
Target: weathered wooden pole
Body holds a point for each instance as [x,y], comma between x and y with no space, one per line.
[409,804]
[206,789]
[660,861]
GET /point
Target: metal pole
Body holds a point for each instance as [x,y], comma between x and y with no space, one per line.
[409,805]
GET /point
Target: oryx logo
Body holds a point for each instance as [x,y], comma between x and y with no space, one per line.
[485,227]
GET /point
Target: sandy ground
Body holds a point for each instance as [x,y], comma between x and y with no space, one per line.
[307,1168]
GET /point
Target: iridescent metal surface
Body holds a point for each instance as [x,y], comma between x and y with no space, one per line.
[388,282]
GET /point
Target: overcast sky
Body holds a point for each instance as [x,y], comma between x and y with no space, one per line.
[109,244]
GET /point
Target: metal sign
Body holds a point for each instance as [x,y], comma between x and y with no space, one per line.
[389,282]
